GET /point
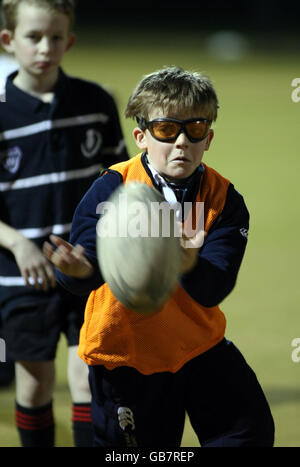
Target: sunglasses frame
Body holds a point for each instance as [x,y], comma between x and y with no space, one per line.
[144,124]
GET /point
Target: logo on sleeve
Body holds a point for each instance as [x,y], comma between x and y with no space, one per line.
[125,417]
[10,159]
[244,232]
[92,143]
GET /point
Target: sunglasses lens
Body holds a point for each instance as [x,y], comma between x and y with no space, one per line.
[164,130]
[168,130]
[197,130]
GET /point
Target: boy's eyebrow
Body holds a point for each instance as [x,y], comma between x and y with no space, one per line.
[34,31]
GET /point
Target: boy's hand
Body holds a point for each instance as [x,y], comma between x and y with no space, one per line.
[190,248]
[68,259]
[33,265]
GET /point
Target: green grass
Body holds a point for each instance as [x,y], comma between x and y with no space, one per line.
[257,147]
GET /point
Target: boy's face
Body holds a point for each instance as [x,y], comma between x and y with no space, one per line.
[176,160]
[39,41]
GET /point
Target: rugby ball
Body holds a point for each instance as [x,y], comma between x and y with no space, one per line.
[138,247]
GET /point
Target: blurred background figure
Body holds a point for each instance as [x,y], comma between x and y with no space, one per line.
[7,372]
[7,65]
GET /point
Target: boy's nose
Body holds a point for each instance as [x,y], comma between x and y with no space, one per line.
[45,45]
[182,140]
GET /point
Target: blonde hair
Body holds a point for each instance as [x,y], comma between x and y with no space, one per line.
[9,10]
[172,89]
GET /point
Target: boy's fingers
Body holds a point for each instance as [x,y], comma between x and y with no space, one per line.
[54,239]
[78,251]
[33,279]
[51,276]
[57,241]
[26,275]
[42,278]
[64,253]
[47,250]
[67,258]
[57,259]
[67,249]
[56,256]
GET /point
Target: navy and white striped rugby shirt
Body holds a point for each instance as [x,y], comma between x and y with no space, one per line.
[50,154]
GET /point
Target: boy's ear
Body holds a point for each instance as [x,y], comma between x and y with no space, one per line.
[209,139]
[6,37]
[140,138]
[71,41]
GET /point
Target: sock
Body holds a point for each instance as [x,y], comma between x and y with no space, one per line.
[35,425]
[82,425]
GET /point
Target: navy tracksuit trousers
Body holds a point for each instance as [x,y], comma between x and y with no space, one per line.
[218,390]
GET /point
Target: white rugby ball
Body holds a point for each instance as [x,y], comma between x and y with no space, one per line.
[138,247]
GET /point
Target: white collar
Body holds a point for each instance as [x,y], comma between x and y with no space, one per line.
[168,193]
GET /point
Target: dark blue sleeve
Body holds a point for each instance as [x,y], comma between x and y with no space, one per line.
[220,257]
[83,232]
[114,148]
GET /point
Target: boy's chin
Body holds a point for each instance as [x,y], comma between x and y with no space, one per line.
[180,173]
[177,177]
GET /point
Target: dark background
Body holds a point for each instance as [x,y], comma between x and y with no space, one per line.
[253,15]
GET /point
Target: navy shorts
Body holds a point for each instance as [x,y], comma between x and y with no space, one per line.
[218,390]
[31,331]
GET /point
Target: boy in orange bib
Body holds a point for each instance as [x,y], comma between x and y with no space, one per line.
[146,372]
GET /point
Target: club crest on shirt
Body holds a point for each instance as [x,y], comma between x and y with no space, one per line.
[10,159]
[92,143]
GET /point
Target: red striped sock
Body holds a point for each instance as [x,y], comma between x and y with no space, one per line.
[35,425]
[82,425]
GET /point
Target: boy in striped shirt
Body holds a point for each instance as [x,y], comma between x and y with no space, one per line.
[56,134]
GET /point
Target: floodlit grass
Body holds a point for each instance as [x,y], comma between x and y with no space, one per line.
[256,146]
